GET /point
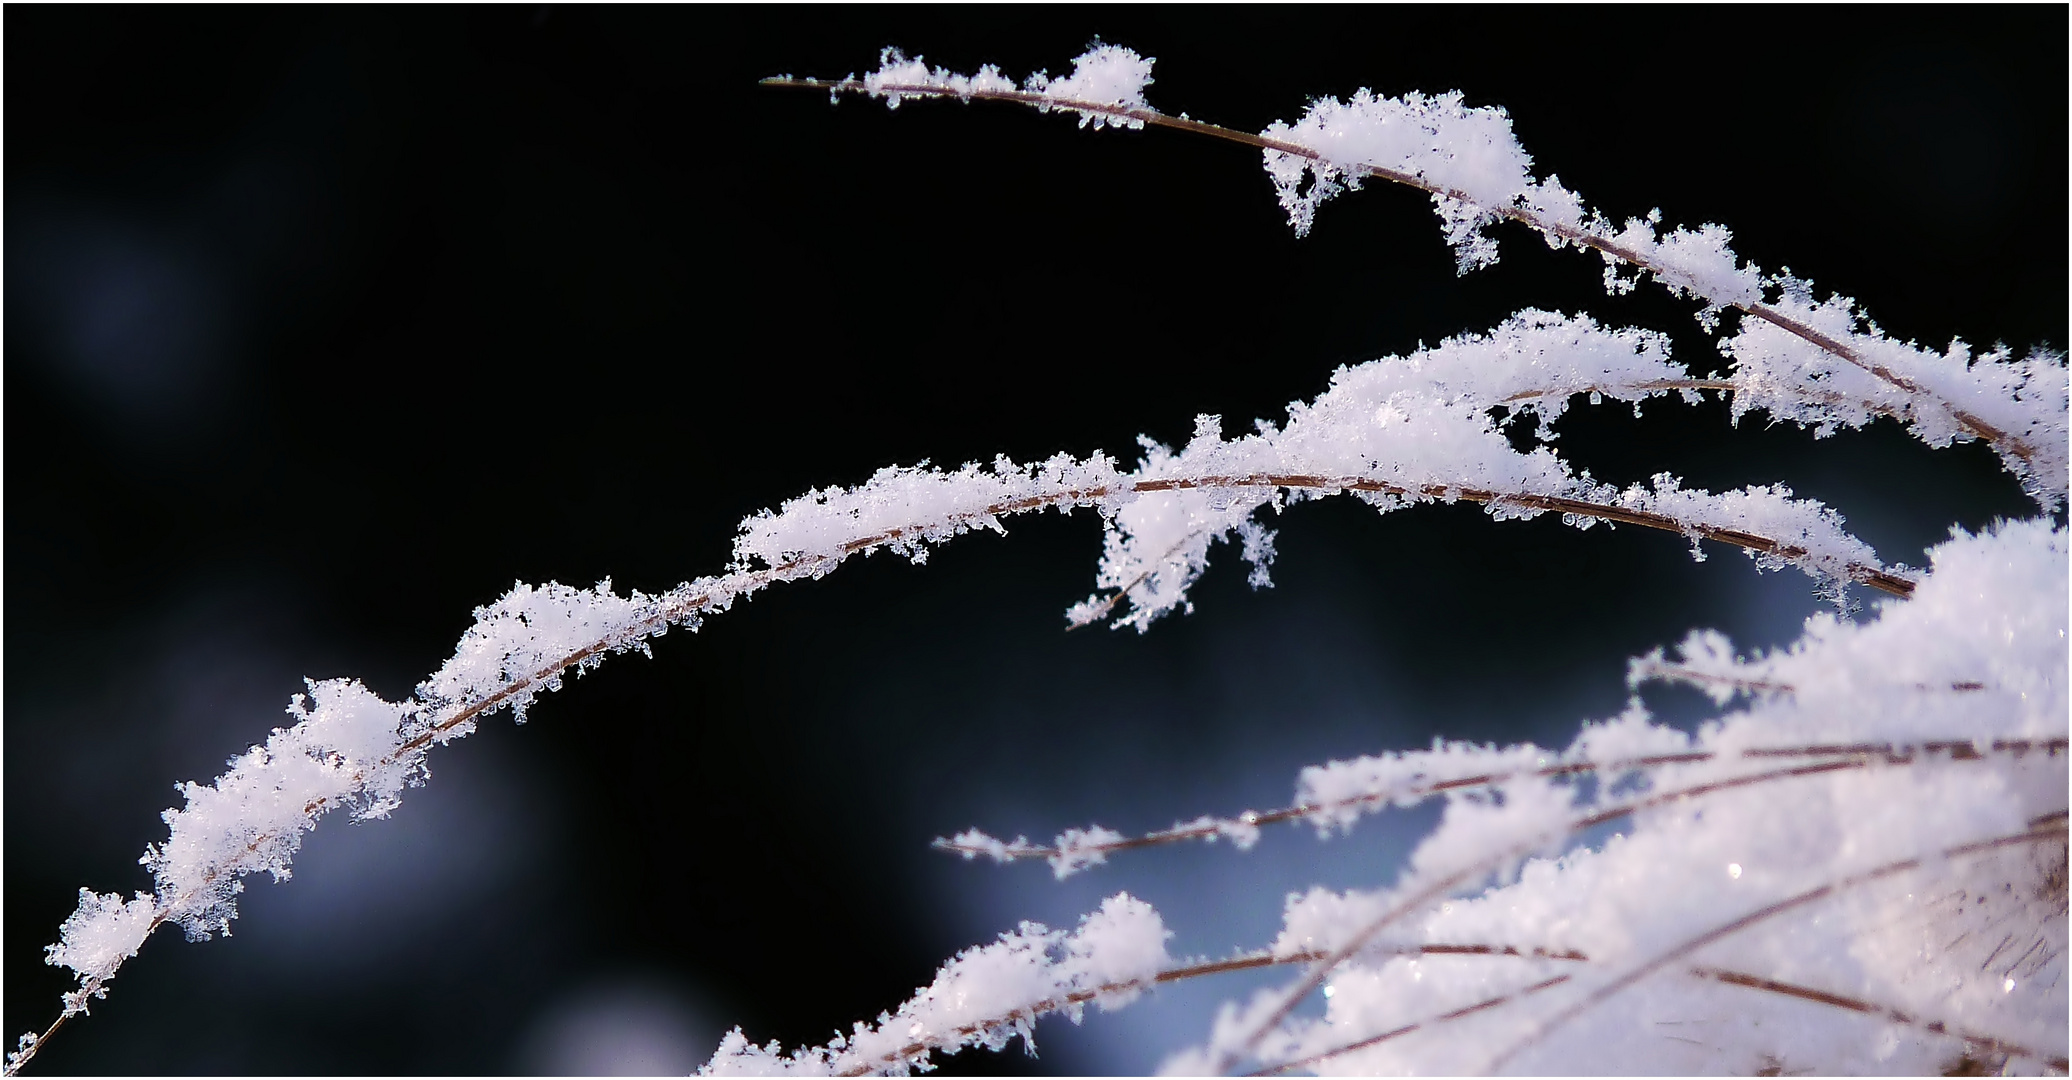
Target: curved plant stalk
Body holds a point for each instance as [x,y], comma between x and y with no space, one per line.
[1876,577]
[1074,849]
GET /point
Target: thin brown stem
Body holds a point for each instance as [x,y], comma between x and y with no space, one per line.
[1579,236]
[1883,753]
[1987,1043]
[1681,673]
[1644,384]
[1876,577]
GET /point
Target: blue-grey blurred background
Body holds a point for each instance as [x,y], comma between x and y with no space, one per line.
[324,326]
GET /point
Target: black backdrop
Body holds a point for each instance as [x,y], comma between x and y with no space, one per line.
[323,327]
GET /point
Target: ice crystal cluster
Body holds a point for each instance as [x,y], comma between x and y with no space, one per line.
[1859,866]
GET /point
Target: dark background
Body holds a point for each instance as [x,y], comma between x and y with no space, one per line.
[323,327]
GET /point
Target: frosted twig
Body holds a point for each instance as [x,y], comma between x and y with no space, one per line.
[973,844]
[2050,827]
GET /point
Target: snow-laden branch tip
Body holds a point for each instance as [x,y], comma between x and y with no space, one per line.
[1818,362]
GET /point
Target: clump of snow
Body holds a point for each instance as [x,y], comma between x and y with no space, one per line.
[1081,849]
[1469,155]
[898,77]
[1105,75]
[101,934]
[986,996]
[521,644]
[906,509]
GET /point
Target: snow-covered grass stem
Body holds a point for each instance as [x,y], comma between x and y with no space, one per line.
[2022,453]
[1081,848]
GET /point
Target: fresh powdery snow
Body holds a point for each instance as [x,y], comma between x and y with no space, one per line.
[1859,866]
[986,996]
[1105,75]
